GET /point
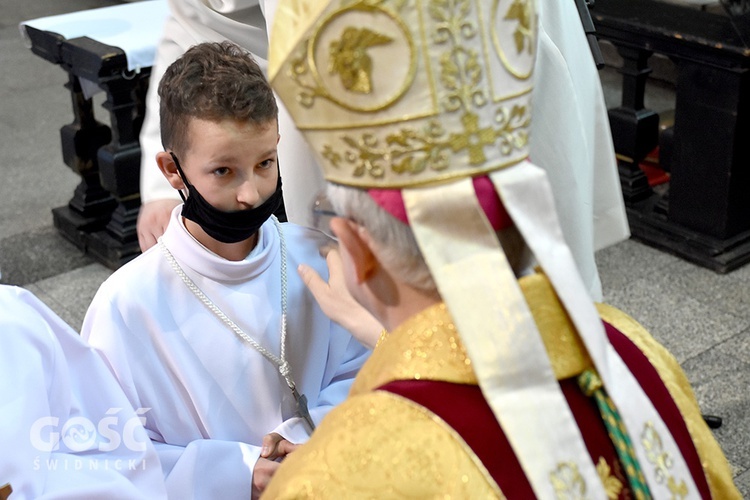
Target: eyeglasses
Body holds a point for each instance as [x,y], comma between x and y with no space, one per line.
[322,213]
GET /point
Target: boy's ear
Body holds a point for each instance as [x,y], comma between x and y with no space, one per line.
[353,238]
[169,169]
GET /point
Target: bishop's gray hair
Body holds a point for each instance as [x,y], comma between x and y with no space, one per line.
[397,248]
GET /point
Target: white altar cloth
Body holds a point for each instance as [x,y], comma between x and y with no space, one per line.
[135,28]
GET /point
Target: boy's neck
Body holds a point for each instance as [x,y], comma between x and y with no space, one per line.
[230,251]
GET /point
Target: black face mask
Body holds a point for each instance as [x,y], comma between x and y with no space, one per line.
[227,227]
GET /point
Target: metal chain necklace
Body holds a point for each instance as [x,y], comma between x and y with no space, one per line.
[280,362]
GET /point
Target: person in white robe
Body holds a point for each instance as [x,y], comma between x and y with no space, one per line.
[66,428]
[213,396]
[571,140]
[570,136]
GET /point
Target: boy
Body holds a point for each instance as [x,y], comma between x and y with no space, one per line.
[212,328]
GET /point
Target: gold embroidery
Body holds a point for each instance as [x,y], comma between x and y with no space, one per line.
[566,351]
[348,57]
[432,332]
[661,459]
[411,151]
[455,107]
[425,346]
[350,60]
[567,482]
[523,35]
[612,485]
[522,13]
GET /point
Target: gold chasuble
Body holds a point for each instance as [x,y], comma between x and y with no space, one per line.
[378,444]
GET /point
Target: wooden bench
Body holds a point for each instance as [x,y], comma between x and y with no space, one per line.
[101,216]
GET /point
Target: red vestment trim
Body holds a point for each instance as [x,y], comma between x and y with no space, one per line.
[657,392]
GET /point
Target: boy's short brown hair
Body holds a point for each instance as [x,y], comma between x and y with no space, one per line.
[212,81]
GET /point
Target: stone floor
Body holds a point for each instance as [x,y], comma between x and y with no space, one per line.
[702,317]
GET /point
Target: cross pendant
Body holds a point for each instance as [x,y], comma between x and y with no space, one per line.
[302,410]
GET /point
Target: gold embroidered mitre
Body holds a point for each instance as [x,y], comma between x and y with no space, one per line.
[395,93]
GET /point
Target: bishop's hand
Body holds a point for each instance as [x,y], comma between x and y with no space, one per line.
[337,303]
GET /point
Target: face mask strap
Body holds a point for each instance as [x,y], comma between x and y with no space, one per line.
[181,174]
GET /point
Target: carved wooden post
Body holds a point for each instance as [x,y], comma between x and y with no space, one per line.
[91,205]
[119,171]
[635,129]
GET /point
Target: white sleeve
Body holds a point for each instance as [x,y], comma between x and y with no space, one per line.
[208,468]
[71,430]
[571,139]
[229,6]
[203,468]
[345,357]
[154,186]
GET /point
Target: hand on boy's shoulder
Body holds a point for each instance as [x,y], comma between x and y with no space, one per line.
[153,218]
[275,447]
[337,303]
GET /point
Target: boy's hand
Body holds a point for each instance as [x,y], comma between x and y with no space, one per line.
[274,447]
[262,473]
[153,218]
[336,301]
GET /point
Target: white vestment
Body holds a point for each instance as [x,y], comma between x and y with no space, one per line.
[571,139]
[66,428]
[570,134]
[213,396]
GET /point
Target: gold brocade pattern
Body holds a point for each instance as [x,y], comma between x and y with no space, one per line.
[429,347]
[715,465]
[566,351]
[662,462]
[568,483]
[352,454]
[612,485]
[426,346]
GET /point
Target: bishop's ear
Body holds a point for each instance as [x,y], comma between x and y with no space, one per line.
[169,169]
[356,244]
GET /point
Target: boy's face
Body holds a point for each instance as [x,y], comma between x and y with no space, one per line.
[233,165]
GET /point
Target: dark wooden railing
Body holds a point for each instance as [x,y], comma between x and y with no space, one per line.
[704,214]
[101,216]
